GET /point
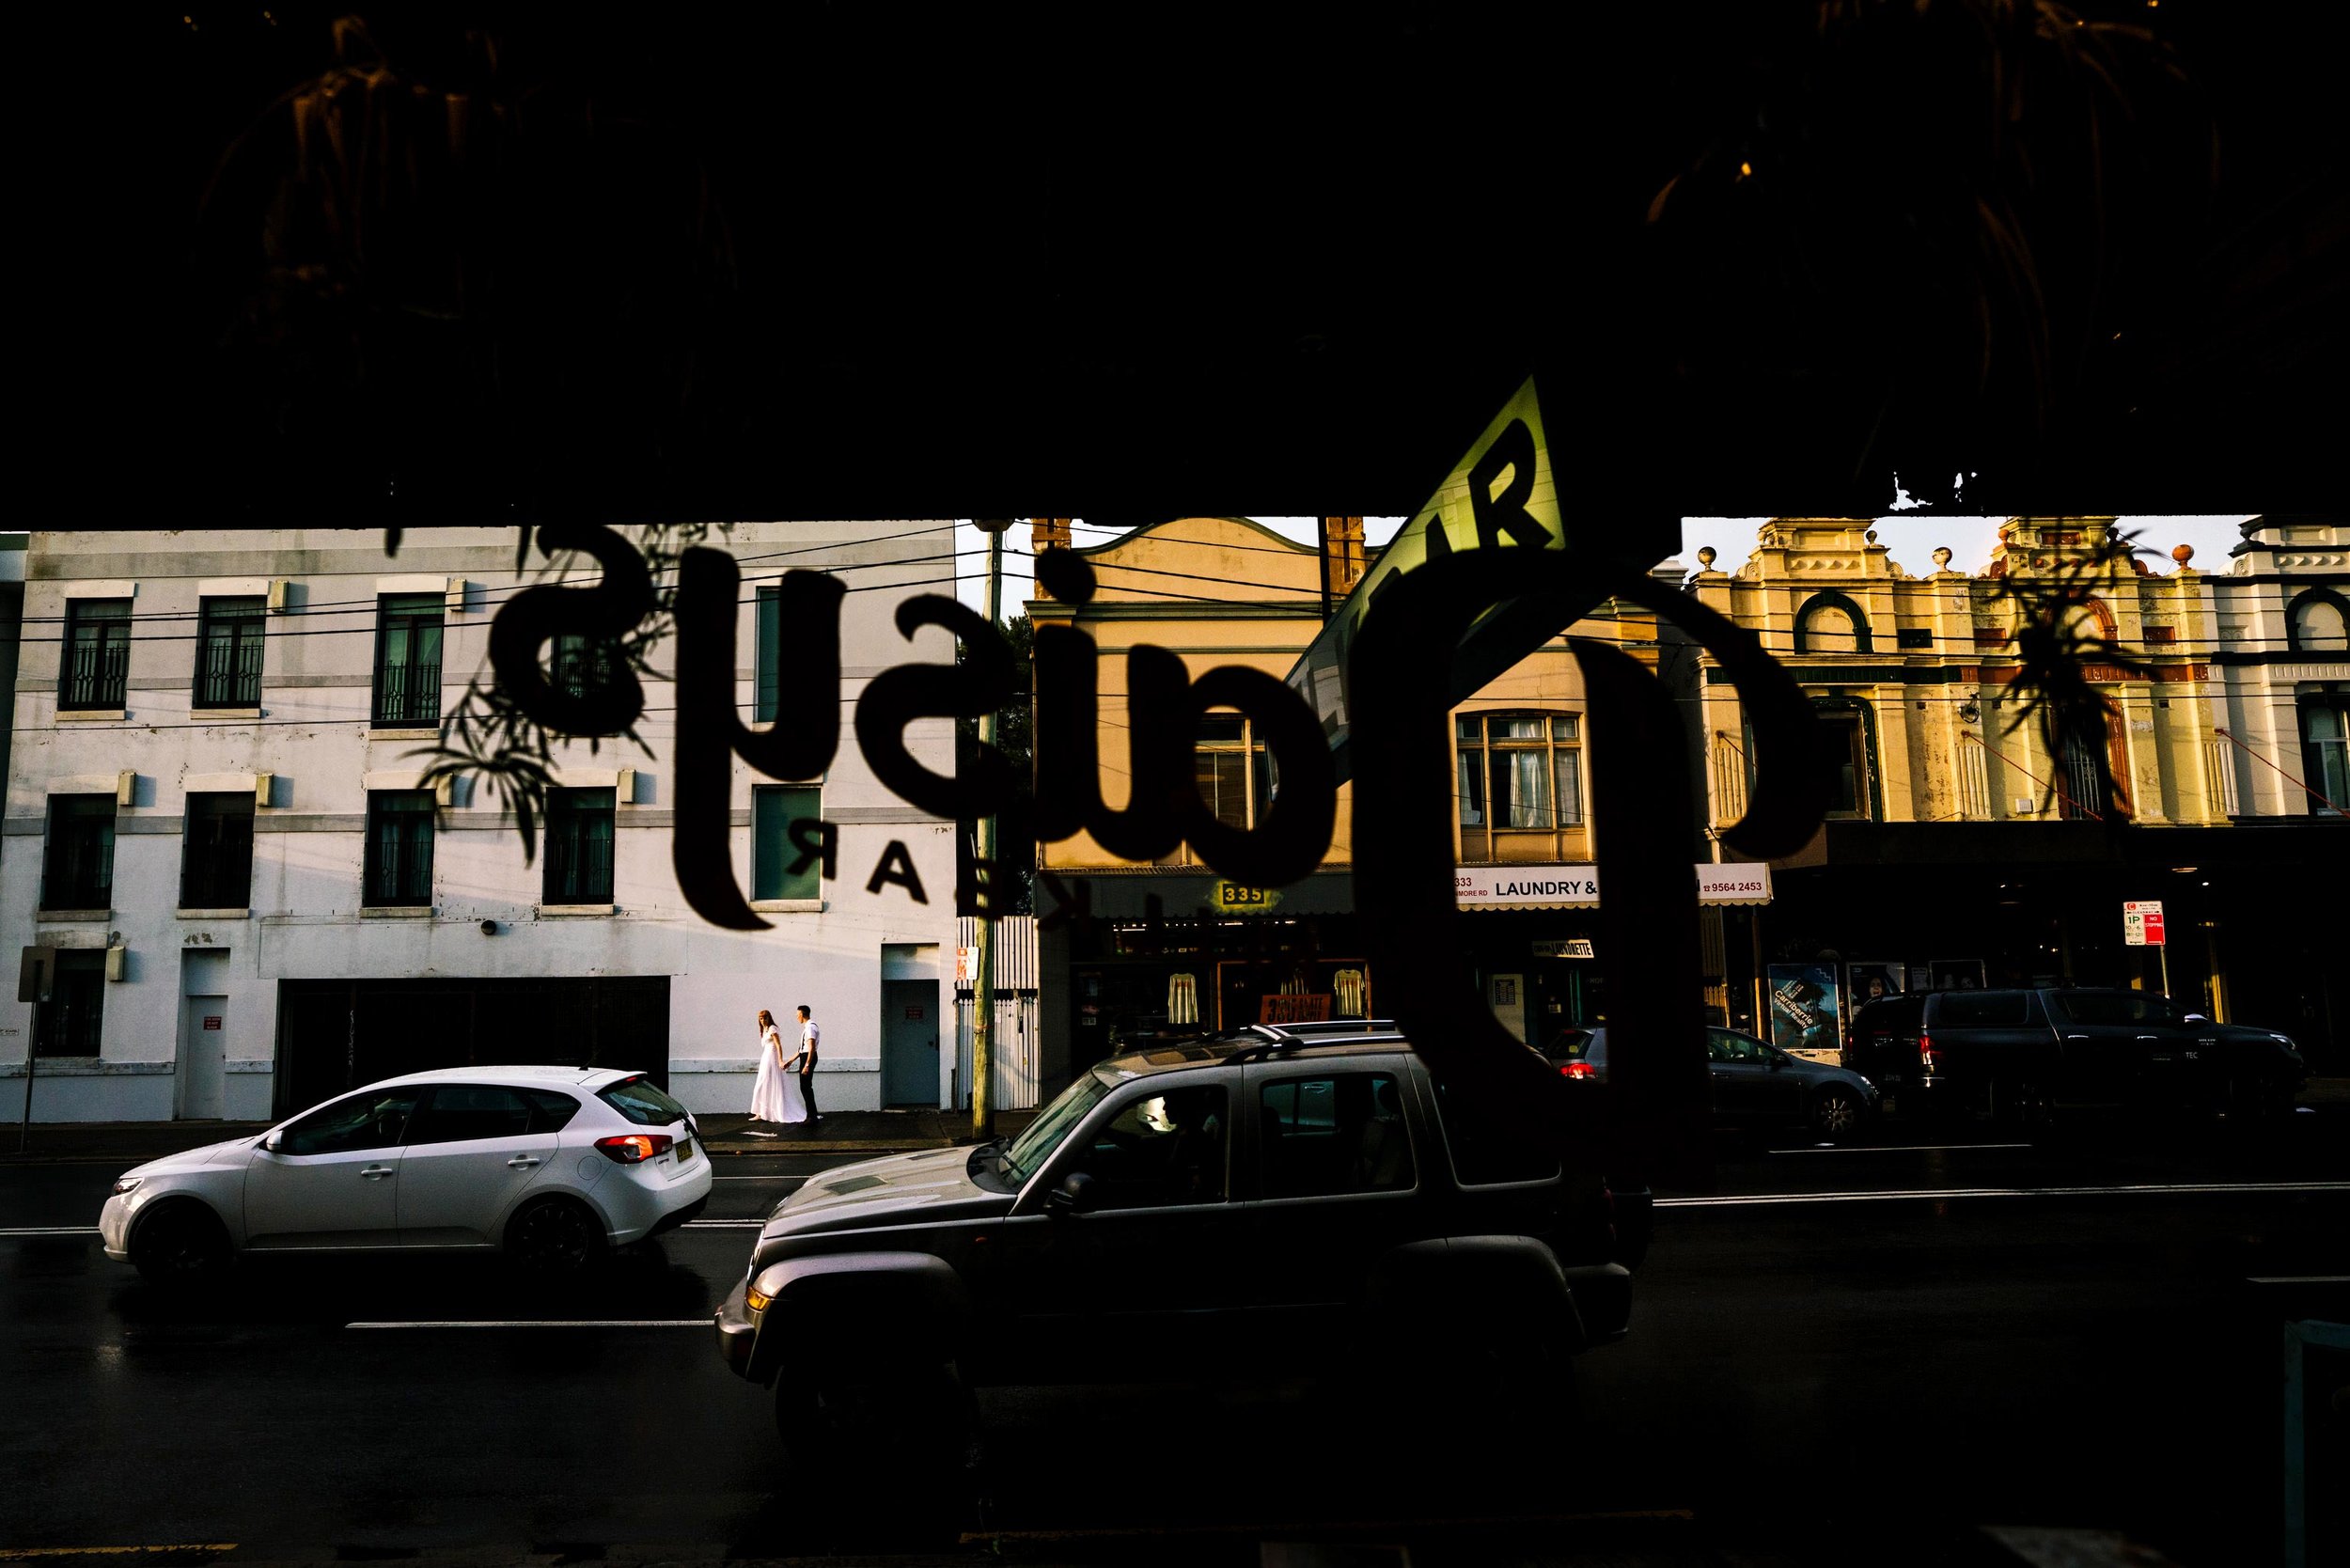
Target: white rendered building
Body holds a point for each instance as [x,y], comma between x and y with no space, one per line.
[212,818]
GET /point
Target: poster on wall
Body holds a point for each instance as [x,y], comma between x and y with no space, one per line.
[1956,974]
[1805,1021]
[1872,982]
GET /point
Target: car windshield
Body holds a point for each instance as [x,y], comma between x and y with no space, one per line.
[1031,1149]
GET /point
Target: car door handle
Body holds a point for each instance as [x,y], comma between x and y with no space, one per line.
[376,1173]
[522,1162]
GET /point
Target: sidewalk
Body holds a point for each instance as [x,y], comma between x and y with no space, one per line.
[724,1133]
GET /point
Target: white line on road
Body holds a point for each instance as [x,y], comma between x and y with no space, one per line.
[760,1178]
[722,1225]
[2299,1278]
[545,1322]
[1893,1148]
[1996,1192]
[50,1230]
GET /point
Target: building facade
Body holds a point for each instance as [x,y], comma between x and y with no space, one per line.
[1962,848]
[215,818]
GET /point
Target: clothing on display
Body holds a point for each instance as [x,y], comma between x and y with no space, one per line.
[1352,995]
[1183,999]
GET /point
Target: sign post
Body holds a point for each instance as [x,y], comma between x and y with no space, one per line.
[2141,927]
[36,980]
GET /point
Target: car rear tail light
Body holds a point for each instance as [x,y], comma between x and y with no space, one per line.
[1928,1058]
[1578,1069]
[634,1147]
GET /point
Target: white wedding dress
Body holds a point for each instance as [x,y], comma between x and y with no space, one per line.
[776,1095]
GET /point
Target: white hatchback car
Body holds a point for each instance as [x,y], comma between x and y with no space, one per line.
[549,1164]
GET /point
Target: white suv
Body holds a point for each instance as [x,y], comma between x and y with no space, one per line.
[549,1164]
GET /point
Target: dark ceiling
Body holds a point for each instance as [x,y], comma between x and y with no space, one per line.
[870,260]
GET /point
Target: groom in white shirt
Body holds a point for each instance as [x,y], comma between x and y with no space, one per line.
[809,1033]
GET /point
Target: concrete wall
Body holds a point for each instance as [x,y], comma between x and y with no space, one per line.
[306,920]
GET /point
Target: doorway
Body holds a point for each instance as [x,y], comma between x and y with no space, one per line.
[909,1041]
[203,1035]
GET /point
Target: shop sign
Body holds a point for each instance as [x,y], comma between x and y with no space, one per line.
[1577,886]
[1293,1010]
[1569,947]
[2141,923]
[1235,898]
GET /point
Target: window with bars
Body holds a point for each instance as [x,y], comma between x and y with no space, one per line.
[216,852]
[774,809]
[95,670]
[78,865]
[582,665]
[229,653]
[579,846]
[400,850]
[1516,773]
[2326,752]
[71,1021]
[408,660]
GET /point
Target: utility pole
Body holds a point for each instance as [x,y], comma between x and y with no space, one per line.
[983,984]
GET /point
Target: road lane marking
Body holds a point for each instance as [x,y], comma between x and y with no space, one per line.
[23,1554]
[2299,1278]
[1749,1198]
[722,1225]
[66,1230]
[1893,1148]
[542,1323]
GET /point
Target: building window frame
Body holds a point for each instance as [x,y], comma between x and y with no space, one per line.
[94,668]
[1868,778]
[230,633]
[2326,757]
[774,809]
[1831,599]
[580,845]
[767,674]
[409,632]
[397,872]
[71,1024]
[2297,637]
[1489,760]
[216,851]
[78,853]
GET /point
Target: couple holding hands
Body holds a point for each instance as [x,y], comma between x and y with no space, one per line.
[786,1090]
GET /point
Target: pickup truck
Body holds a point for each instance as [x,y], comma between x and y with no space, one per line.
[2028,1054]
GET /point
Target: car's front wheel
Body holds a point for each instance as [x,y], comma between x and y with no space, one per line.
[181,1243]
[553,1236]
[1836,1113]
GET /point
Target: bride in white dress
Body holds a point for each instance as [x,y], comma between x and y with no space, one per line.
[776,1095]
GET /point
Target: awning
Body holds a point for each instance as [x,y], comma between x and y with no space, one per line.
[1577,886]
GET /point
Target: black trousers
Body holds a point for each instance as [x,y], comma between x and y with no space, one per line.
[808,1092]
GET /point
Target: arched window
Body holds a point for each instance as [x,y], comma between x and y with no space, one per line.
[1830,622]
[2319,622]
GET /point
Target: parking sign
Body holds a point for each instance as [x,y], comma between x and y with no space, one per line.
[2141,923]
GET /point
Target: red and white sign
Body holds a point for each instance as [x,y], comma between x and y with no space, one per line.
[2141,923]
[212,1020]
[1577,886]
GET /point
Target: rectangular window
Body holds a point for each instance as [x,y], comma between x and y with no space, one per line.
[69,1023]
[96,669]
[1470,732]
[2325,755]
[774,809]
[1342,1133]
[1848,762]
[1231,772]
[767,678]
[408,660]
[400,849]
[78,870]
[579,846]
[216,852]
[229,653]
[579,666]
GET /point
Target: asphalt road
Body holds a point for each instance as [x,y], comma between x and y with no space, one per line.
[1840,1355]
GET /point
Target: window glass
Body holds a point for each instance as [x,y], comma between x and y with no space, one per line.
[229,653]
[1333,1134]
[408,659]
[370,1121]
[71,1021]
[400,848]
[96,665]
[1466,728]
[1517,728]
[458,1113]
[1035,1145]
[551,1110]
[2325,755]
[1566,727]
[1159,1151]
[1484,1152]
[774,809]
[767,686]
[579,846]
[78,862]
[216,851]
[1725,1045]
[1472,789]
[1980,1009]
[643,1101]
[1570,795]
[1848,795]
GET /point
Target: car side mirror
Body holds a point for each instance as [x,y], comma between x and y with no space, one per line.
[274,1143]
[1774,1063]
[1074,1195]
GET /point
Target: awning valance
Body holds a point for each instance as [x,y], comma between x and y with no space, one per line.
[1577,886]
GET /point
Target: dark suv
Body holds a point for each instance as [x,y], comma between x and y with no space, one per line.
[1216,1205]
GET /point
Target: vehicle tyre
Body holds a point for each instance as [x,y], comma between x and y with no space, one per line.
[181,1243]
[553,1236]
[1836,1113]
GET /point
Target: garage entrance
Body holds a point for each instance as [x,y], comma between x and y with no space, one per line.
[334,1035]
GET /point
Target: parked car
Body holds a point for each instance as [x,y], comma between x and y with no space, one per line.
[1881,1045]
[1755,1083]
[2030,1055]
[1267,1202]
[549,1165]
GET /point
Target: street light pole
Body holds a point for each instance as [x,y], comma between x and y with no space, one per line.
[983,984]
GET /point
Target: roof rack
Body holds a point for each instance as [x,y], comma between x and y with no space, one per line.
[1273,1038]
